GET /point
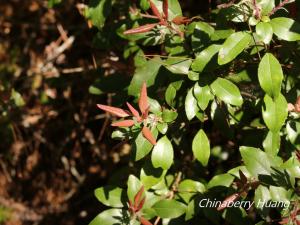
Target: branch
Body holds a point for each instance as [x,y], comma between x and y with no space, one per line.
[278,7]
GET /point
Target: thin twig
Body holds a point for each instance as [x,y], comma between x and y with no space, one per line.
[226,5]
[278,7]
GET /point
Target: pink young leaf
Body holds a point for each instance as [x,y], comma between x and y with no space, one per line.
[142,29]
[138,196]
[144,221]
[155,10]
[113,110]
[124,123]
[165,9]
[148,135]
[143,100]
[134,112]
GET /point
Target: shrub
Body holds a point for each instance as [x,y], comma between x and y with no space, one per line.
[218,114]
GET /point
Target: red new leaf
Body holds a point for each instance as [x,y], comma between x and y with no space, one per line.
[230,199]
[297,105]
[148,135]
[134,112]
[137,197]
[284,220]
[124,123]
[142,29]
[113,110]
[155,10]
[143,100]
[165,9]
[140,206]
[178,20]
[243,177]
[144,221]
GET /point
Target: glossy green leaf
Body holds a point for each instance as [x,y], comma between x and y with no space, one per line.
[191,107]
[293,131]
[258,162]
[270,75]
[264,32]
[110,196]
[151,176]
[203,95]
[204,57]
[271,143]
[162,154]
[142,146]
[227,91]
[262,194]
[169,115]
[274,112]
[279,194]
[133,186]
[201,147]
[170,94]
[286,29]
[147,73]
[169,208]
[111,217]
[221,180]
[201,33]
[233,46]
[188,188]
[98,11]
[178,66]
[266,6]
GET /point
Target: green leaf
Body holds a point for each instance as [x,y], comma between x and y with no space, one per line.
[227,91]
[98,11]
[169,115]
[201,147]
[293,131]
[111,217]
[133,186]
[201,33]
[203,95]
[169,208]
[170,95]
[204,57]
[188,188]
[52,3]
[271,143]
[279,194]
[178,66]
[162,154]
[162,128]
[147,73]
[274,112]
[110,196]
[221,180]
[221,34]
[191,107]
[266,6]
[262,194]
[286,28]
[264,32]
[258,162]
[17,98]
[233,46]
[151,176]
[142,146]
[270,75]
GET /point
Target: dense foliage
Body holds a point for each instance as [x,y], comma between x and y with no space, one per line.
[218,113]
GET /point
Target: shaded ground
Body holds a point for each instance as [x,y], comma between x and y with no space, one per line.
[55,147]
